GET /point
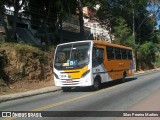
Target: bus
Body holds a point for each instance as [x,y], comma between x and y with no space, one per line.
[90,63]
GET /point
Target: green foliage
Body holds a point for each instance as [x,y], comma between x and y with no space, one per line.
[42,58]
[89,3]
[157,61]
[3,59]
[123,33]
[49,49]
[158,38]
[50,11]
[109,11]
[158,47]
[23,49]
[148,50]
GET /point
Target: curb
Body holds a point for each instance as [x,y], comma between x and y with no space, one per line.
[4,98]
[147,71]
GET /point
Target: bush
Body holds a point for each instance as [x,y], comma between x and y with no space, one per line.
[147,51]
[157,61]
[42,58]
[22,49]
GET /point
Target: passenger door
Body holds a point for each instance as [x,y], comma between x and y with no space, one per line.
[98,59]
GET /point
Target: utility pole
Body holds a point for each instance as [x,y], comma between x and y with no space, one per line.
[134,38]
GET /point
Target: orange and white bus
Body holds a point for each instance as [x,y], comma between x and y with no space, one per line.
[90,63]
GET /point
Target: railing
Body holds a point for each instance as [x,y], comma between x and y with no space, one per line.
[21,14]
[9,12]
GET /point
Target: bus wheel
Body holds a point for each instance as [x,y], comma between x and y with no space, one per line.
[96,85]
[66,89]
[124,77]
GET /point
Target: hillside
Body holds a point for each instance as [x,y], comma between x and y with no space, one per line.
[24,67]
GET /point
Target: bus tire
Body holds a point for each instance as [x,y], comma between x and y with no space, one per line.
[66,89]
[124,77]
[96,85]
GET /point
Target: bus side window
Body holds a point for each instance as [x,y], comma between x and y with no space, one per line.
[130,54]
[124,54]
[97,56]
[118,53]
[100,54]
[110,53]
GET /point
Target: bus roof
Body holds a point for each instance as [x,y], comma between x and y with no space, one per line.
[110,44]
[98,42]
[74,42]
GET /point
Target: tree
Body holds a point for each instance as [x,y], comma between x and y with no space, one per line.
[55,12]
[158,36]
[80,5]
[50,14]
[105,16]
[17,5]
[81,21]
[3,17]
[129,10]
[122,33]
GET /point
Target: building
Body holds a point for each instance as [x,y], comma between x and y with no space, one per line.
[92,23]
[28,33]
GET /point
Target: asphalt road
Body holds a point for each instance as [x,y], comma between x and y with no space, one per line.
[114,96]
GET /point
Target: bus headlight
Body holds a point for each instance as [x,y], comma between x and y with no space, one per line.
[85,73]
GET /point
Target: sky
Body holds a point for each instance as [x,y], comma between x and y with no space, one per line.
[154,10]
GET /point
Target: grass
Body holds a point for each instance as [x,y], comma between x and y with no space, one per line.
[23,51]
[25,60]
[27,47]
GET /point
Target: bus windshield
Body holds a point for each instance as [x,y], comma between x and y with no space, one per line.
[72,56]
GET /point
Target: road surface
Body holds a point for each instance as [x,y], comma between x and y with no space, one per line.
[138,93]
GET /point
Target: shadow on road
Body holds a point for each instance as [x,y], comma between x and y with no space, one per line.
[103,86]
[116,82]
